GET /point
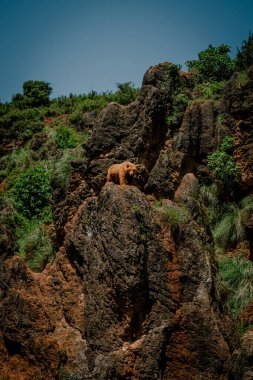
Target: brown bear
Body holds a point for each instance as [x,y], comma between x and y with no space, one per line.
[119,173]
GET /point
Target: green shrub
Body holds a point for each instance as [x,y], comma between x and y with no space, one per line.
[179,104]
[8,223]
[65,138]
[31,191]
[211,90]
[230,230]
[222,163]
[244,57]
[173,216]
[237,276]
[34,244]
[62,169]
[214,64]
[208,196]
[126,93]
[21,123]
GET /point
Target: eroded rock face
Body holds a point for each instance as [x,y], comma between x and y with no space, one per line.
[186,151]
[123,300]
[135,132]
[239,105]
[150,311]
[128,297]
[41,320]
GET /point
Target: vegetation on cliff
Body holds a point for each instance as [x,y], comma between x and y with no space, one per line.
[190,136]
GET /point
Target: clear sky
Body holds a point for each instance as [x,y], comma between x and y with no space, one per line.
[84,45]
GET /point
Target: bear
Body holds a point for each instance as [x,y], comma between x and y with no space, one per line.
[121,173]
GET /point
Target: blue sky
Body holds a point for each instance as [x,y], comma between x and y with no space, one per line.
[84,45]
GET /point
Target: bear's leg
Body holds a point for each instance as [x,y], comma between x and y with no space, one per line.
[109,177]
[122,177]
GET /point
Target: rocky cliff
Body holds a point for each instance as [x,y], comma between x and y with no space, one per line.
[128,295]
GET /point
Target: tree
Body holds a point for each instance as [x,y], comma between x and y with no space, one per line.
[37,92]
[31,191]
[223,165]
[126,93]
[214,64]
[244,57]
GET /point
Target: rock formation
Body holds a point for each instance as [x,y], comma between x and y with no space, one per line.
[128,296]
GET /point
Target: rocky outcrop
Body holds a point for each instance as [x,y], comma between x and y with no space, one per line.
[123,299]
[41,320]
[129,296]
[239,105]
[150,311]
[185,150]
[135,132]
[241,363]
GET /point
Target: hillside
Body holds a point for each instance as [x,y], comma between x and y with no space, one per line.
[150,279]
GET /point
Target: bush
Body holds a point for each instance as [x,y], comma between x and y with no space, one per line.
[179,104]
[65,138]
[62,170]
[31,191]
[244,57]
[8,223]
[34,245]
[37,93]
[173,216]
[237,276]
[126,93]
[222,163]
[209,197]
[211,90]
[214,64]
[21,123]
[230,230]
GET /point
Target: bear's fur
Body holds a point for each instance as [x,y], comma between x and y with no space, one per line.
[119,173]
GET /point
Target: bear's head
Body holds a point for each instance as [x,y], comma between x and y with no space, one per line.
[130,169]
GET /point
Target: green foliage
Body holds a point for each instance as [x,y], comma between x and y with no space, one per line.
[22,124]
[179,104]
[15,163]
[209,197]
[65,138]
[62,170]
[222,163]
[230,230]
[237,276]
[31,191]
[8,223]
[173,216]
[214,64]
[126,93]
[211,90]
[34,244]
[244,57]
[37,93]
[227,144]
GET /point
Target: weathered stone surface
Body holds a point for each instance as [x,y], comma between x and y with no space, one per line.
[41,316]
[186,151]
[189,187]
[135,132]
[242,359]
[149,312]
[128,297]
[239,105]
